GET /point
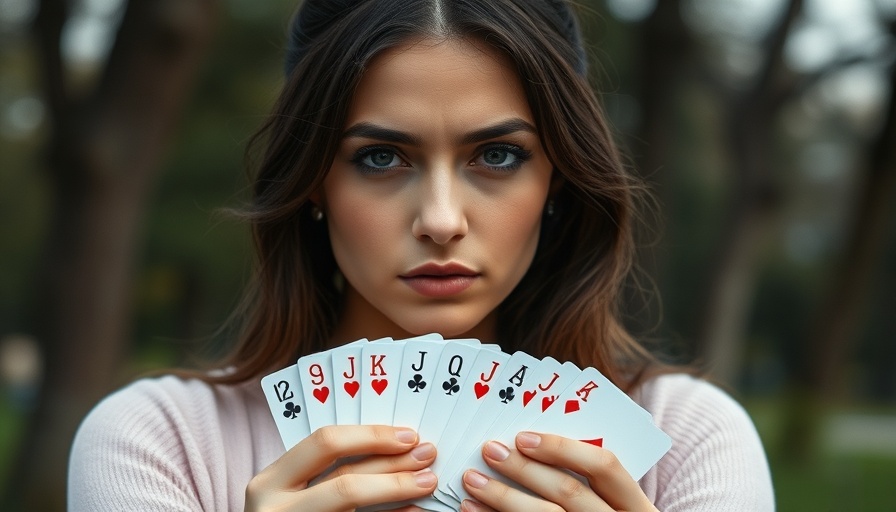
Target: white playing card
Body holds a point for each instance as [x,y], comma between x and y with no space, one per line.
[595,411]
[539,396]
[446,433]
[380,368]
[346,361]
[418,366]
[454,364]
[521,369]
[284,395]
[316,378]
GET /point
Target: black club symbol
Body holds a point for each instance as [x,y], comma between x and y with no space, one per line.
[450,386]
[292,410]
[417,383]
[506,395]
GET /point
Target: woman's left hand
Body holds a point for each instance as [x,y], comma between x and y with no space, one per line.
[537,464]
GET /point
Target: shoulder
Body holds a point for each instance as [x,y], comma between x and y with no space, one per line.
[678,399]
[170,444]
[164,408]
[717,461]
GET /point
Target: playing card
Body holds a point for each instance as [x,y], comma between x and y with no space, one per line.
[346,361]
[595,411]
[454,365]
[539,396]
[380,368]
[418,366]
[284,395]
[316,379]
[519,390]
[447,432]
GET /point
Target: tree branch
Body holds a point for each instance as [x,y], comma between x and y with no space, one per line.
[774,60]
[47,28]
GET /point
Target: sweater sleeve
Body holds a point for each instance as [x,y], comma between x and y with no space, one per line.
[131,454]
[717,462]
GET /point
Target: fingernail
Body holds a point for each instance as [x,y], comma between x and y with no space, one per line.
[425,478]
[470,506]
[475,479]
[528,440]
[496,451]
[423,452]
[406,435]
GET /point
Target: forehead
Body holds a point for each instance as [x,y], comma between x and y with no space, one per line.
[447,79]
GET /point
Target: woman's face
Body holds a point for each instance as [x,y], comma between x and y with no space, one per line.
[435,197]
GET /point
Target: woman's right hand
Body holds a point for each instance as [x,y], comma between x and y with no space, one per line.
[396,469]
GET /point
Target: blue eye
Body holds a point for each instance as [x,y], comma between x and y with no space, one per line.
[503,157]
[374,160]
[381,158]
[498,157]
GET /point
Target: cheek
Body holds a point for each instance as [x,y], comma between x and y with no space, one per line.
[359,228]
[515,228]
[351,222]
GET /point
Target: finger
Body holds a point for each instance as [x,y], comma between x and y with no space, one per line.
[419,457]
[598,465]
[499,496]
[551,483]
[353,491]
[472,506]
[317,452]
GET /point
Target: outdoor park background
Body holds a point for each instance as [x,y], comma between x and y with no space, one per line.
[765,127]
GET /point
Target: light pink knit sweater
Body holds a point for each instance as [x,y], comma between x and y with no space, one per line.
[172,445]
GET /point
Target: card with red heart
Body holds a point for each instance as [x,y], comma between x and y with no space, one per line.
[459,394]
[346,362]
[380,368]
[595,411]
[316,379]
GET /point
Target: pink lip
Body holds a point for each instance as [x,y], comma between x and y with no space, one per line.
[435,280]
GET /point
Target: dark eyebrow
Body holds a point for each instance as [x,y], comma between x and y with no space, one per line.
[372,131]
[499,130]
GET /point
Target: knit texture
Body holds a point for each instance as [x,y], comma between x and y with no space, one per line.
[167,444]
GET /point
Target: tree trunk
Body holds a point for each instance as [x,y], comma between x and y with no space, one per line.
[666,53]
[105,154]
[836,324]
[754,201]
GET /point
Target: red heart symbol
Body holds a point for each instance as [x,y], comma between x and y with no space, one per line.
[352,388]
[379,385]
[571,406]
[596,442]
[528,395]
[480,389]
[546,402]
[321,394]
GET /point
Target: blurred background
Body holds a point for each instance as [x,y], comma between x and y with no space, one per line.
[764,127]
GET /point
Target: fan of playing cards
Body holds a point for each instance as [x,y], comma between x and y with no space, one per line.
[458,394]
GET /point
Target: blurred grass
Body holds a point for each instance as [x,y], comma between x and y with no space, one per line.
[833,481]
[11,425]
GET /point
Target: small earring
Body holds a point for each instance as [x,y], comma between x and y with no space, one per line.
[316,213]
[549,210]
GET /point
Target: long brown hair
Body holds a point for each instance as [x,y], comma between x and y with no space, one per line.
[567,303]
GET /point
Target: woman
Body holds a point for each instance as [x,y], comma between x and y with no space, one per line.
[430,166]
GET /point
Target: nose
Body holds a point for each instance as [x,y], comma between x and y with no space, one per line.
[440,212]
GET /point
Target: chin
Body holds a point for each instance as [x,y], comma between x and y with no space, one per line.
[449,326]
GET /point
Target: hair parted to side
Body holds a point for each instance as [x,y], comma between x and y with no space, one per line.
[565,306]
